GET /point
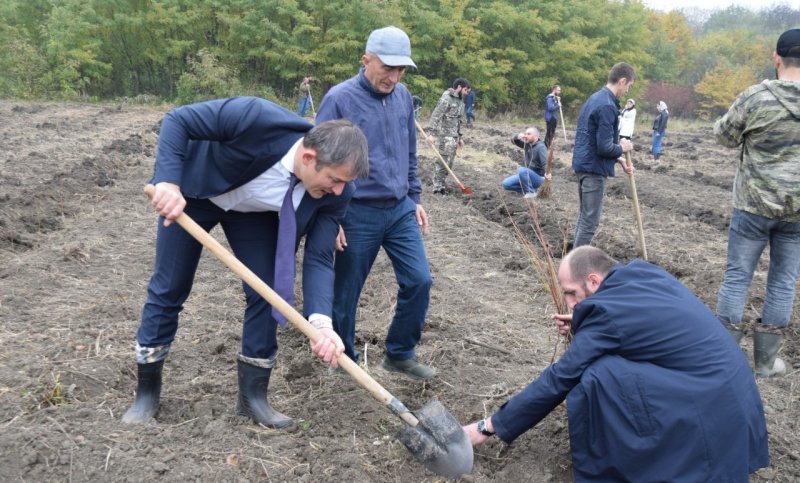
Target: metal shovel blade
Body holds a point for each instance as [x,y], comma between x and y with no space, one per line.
[438,441]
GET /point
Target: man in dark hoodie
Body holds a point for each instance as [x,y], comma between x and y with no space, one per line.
[764,123]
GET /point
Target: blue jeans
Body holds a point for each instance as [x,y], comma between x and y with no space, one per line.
[749,234]
[657,138]
[394,228]
[252,237]
[302,106]
[525,181]
[590,196]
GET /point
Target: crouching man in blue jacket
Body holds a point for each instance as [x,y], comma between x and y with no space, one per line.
[655,387]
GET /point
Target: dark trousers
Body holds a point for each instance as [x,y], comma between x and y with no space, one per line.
[551,130]
[252,237]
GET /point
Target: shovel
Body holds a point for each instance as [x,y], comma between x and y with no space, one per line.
[464,189]
[433,435]
[563,127]
[311,100]
[636,212]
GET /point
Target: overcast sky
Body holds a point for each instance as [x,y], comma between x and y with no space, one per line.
[667,5]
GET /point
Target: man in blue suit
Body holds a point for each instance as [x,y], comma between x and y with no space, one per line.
[656,389]
[233,162]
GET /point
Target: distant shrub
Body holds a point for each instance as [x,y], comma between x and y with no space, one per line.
[206,79]
[681,101]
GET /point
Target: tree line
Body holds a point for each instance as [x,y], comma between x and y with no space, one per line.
[513,51]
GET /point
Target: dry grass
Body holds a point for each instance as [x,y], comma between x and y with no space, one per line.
[544,190]
[543,262]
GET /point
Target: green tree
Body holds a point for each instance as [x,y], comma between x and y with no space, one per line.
[71,48]
[720,87]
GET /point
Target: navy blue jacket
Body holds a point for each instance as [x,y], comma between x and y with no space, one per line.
[392,141]
[597,134]
[469,99]
[550,107]
[656,388]
[213,147]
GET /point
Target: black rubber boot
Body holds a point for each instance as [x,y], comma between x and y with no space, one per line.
[148,392]
[735,330]
[765,354]
[253,384]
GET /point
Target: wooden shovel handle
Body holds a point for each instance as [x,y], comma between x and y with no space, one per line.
[636,212]
[292,315]
[444,163]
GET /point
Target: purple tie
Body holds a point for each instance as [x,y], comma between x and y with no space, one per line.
[284,252]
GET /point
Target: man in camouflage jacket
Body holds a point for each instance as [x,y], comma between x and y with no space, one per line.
[445,124]
[764,122]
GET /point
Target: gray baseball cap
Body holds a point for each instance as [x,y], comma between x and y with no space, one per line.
[391,45]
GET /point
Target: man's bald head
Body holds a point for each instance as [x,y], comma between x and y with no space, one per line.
[582,271]
[586,259]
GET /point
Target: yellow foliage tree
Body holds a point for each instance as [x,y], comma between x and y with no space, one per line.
[720,87]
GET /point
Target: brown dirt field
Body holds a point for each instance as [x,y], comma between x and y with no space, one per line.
[76,249]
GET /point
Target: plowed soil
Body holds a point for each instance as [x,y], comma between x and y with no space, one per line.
[76,250]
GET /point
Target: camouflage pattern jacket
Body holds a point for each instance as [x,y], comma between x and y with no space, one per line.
[446,118]
[765,121]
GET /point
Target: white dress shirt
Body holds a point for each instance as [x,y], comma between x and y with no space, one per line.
[266,193]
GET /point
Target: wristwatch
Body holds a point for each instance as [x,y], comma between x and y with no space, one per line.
[483,429]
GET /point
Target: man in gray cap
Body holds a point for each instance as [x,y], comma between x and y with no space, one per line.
[385,210]
[764,125]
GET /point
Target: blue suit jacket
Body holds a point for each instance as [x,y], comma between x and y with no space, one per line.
[656,388]
[213,147]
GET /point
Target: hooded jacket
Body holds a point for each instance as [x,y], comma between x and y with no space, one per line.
[446,117]
[764,122]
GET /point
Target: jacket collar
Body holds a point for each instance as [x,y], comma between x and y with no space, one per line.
[364,83]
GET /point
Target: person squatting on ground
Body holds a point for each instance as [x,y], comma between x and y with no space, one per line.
[469,104]
[660,129]
[597,148]
[385,210]
[445,124]
[551,108]
[531,174]
[304,90]
[233,162]
[627,120]
[655,388]
[764,122]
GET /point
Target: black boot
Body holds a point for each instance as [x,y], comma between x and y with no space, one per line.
[148,392]
[765,354]
[735,330]
[253,384]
